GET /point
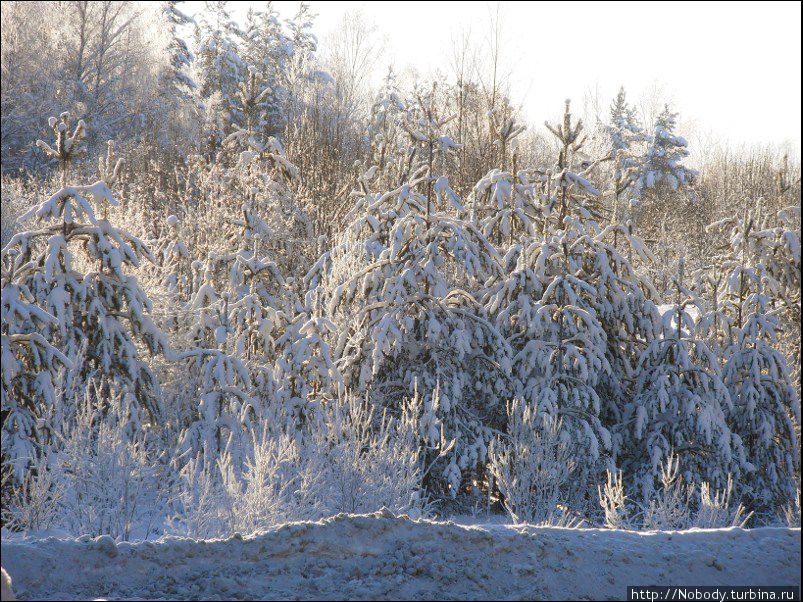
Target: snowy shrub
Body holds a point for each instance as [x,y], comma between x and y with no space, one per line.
[613,501]
[96,476]
[367,463]
[111,483]
[533,468]
[670,506]
[267,484]
[675,506]
[199,499]
[16,193]
[346,460]
[34,503]
[716,509]
[273,485]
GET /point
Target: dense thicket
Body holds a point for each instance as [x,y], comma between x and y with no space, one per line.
[294,295]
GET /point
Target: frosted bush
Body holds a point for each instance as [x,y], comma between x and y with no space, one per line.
[674,505]
[533,467]
[15,192]
[345,460]
[111,484]
[366,467]
[32,504]
[716,510]
[613,500]
[200,499]
[272,488]
[96,477]
[266,484]
[670,508]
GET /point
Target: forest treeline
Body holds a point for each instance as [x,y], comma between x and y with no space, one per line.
[240,285]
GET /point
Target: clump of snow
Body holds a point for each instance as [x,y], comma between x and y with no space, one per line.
[380,556]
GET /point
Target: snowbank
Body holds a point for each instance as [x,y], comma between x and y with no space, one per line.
[380,556]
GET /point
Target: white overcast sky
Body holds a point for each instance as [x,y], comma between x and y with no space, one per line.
[731,68]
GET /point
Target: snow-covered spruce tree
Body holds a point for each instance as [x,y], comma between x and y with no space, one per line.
[168,123]
[503,201]
[662,163]
[245,201]
[575,312]
[547,313]
[305,373]
[265,180]
[389,142]
[216,125]
[625,295]
[406,132]
[30,364]
[175,79]
[174,261]
[765,408]
[225,408]
[266,50]
[430,145]
[625,137]
[216,376]
[782,262]
[255,305]
[74,266]
[714,324]
[300,74]
[251,102]
[398,288]
[664,204]
[287,335]
[218,65]
[679,406]
[248,319]
[230,331]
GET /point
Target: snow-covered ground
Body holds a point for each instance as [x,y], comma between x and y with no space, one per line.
[384,557]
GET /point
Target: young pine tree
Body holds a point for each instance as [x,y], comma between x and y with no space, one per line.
[626,138]
[765,408]
[73,265]
[662,163]
[398,287]
[680,406]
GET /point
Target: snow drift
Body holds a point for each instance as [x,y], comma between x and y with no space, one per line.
[379,556]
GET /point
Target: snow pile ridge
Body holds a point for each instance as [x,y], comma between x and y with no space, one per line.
[380,556]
